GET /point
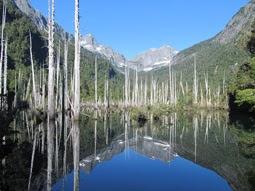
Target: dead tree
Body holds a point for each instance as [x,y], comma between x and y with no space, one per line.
[76,102]
[51,80]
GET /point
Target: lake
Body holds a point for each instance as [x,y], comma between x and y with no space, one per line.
[112,151]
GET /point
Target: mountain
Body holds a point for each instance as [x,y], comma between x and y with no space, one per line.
[88,42]
[239,27]
[22,18]
[154,58]
[37,18]
[219,56]
[147,61]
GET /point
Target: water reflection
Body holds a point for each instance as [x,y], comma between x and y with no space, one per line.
[50,150]
[76,153]
[76,149]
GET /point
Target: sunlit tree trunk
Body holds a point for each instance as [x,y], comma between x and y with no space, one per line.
[33,72]
[145,91]
[76,71]
[170,82]
[151,92]
[5,65]
[43,90]
[136,85]
[65,76]
[181,84]
[206,90]
[195,86]
[96,100]
[126,85]
[2,43]
[51,80]
[58,78]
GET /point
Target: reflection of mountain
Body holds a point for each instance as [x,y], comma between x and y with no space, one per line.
[146,146]
[207,142]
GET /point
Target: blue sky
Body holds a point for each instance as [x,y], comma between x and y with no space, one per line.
[133,26]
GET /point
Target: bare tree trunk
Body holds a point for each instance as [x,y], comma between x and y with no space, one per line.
[126,85]
[33,72]
[51,80]
[76,71]
[151,93]
[2,43]
[43,90]
[58,78]
[206,90]
[224,83]
[96,100]
[145,91]
[5,65]
[65,77]
[201,96]
[136,85]
[32,161]
[181,84]
[195,86]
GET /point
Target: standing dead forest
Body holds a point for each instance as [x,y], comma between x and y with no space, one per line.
[66,108]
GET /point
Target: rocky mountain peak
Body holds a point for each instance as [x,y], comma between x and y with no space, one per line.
[240,23]
[88,40]
[35,16]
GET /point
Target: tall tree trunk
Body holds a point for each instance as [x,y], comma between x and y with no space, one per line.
[5,65]
[96,99]
[195,86]
[58,78]
[33,72]
[65,78]
[170,82]
[76,103]
[51,80]
[126,85]
[2,43]
[136,85]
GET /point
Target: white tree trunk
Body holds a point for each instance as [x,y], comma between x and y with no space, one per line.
[96,100]
[65,76]
[126,85]
[2,44]
[5,65]
[33,72]
[195,86]
[76,71]
[136,85]
[58,92]
[51,80]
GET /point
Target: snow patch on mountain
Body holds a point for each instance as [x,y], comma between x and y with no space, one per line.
[152,59]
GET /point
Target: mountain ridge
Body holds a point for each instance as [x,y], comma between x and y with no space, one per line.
[145,61]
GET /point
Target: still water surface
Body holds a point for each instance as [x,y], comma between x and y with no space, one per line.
[179,151]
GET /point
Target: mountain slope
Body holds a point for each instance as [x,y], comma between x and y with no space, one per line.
[218,56]
[21,17]
[239,27]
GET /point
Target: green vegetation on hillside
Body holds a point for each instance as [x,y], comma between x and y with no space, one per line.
[19,65]
[242,89]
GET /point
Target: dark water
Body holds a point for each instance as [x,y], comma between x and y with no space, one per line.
[179,151]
